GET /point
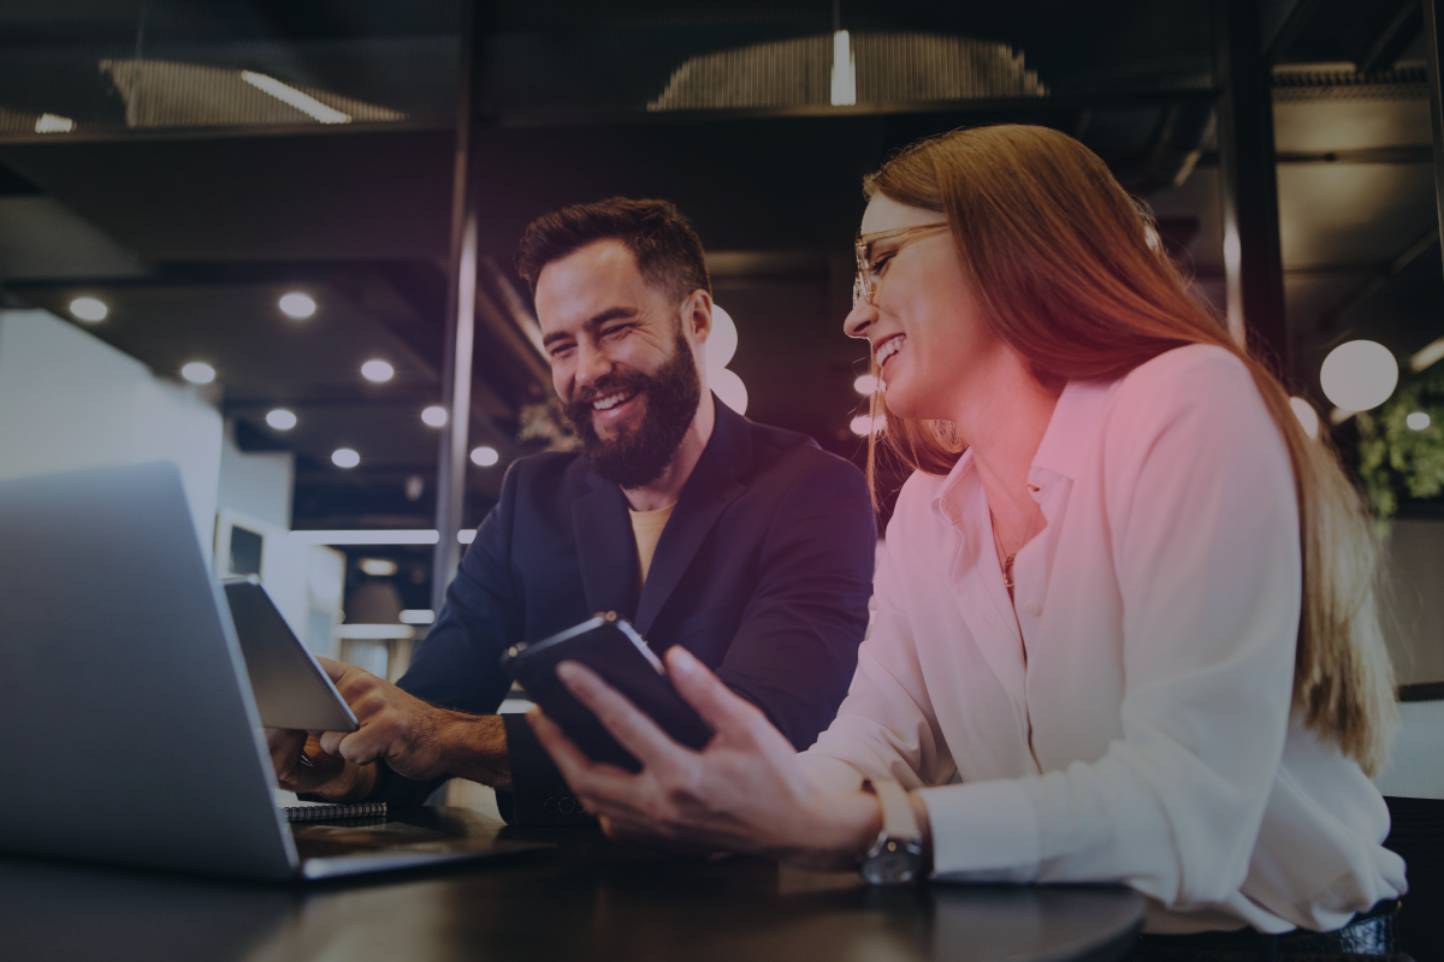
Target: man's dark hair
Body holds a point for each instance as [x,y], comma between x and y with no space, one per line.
[667,249]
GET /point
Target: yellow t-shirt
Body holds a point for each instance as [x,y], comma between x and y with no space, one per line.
[647,528]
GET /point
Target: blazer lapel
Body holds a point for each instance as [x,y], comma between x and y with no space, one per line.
[716,481]
[606,548]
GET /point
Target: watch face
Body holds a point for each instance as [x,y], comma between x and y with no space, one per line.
[894,865]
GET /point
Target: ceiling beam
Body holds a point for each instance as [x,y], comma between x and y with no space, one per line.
[1299,14]
[1433,42]
[1329,321]
[1393,40]
[1253,261]
[460,315]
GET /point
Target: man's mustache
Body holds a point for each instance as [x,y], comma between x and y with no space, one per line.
[611,384]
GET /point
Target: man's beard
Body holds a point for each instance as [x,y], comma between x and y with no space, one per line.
[634,459]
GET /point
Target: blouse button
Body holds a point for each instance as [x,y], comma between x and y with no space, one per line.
[1034,609]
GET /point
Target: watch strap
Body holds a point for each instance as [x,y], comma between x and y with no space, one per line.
[898,821]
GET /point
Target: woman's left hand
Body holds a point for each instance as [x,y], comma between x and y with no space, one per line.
[745,791]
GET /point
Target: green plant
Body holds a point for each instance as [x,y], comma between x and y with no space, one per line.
[1398,460]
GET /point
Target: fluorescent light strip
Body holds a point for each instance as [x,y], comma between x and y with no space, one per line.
[413,536]
[399,536]
[374,632]
[291,96]
[54,124]
[417,616]
[1431,353]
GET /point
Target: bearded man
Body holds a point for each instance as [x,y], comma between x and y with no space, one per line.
[746,544]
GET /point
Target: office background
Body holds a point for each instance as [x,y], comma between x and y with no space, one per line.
[243,235]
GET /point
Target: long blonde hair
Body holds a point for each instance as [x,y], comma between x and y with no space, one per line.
[1058,256]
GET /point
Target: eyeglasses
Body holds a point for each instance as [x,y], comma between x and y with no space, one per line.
[864,286]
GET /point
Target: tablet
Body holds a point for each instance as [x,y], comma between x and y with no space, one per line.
[611,647]
[290,687]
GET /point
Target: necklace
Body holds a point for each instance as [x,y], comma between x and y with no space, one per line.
[1007,556]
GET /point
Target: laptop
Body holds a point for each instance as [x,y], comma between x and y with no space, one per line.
[132,732]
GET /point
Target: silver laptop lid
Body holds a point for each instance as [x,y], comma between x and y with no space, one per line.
[131,735]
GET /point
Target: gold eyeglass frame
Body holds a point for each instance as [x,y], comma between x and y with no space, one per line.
[864,285]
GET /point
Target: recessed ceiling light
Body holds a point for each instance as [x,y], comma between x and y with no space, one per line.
[378,567]
[345,458]
[862,425]
[434,416]
[378,371]
[88,309]
[281,419]
[484,457]
[298,305]
[198,372]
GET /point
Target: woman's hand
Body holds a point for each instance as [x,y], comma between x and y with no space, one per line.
[745,791]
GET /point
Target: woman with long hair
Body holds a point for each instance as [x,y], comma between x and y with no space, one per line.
[1124,628]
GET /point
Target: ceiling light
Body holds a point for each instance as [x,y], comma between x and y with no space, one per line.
[378,371]
[367,536]
[417,616]
[1418,420]
[88,309]
[54,124]
[297,305]
[722,342]
[373,632]
[865,385]
[281,419]
[862,425]
[198,372]
[729,388]
[466,537]
[415,487]
[484,457]
[289,95]
[345,458]
[378,567]
[1306,414]
[844,71]
[1359,375]
[1428,355]
[434,416]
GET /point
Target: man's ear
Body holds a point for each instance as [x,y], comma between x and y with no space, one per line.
[697,315]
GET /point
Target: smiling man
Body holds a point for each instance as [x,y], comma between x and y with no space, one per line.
[745,544]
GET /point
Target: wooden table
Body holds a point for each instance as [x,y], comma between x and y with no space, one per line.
[587,899]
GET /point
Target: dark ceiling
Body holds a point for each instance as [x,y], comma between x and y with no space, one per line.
[191,231]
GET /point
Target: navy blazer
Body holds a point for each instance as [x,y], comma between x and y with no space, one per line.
[763,571]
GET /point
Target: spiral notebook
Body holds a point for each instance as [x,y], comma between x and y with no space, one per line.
[323,812]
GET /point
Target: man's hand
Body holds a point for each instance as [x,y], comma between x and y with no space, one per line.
[329,776]
[417,739]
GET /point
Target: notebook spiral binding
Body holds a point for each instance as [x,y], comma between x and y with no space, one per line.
[312,813]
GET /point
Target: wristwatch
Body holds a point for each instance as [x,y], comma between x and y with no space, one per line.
[896,857]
